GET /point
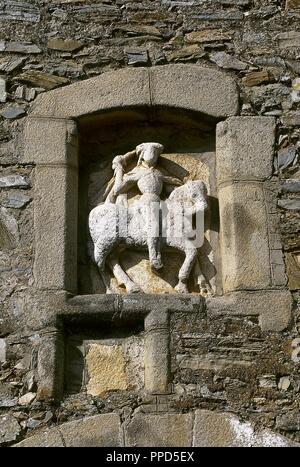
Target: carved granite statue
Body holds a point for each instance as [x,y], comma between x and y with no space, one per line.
[113,223]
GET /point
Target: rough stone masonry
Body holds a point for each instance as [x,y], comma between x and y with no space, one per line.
[226,369]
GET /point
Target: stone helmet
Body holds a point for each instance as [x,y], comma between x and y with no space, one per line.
[149,152]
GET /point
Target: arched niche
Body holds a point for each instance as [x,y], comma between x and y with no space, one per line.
[189,96]
[189,154]
[178,105]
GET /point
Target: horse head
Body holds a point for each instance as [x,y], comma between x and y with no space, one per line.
[193,193]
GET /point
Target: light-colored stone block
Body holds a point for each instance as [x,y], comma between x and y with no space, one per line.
[50,141]
[52,144]
[273,307]
[225,430]
[165,430]
[244,237]
[55,223]
[106,369]
[191,87]
[45,439]
[157,352]
[245,148]
[3,93]
[2,350]
[99,431]
[50,366]
[116,89]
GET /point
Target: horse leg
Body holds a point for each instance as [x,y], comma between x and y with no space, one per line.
[101,251]
[185,270]
[204,287]
[154,254]
[121,276]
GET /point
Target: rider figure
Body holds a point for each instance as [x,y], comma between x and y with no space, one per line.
[149,181]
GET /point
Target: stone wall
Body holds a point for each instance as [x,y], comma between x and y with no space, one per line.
[220,363]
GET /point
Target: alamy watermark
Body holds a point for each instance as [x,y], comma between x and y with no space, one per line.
[161,220]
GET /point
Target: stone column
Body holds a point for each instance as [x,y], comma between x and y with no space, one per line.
[52,144]
[157,352]
[50,365]
[244,158]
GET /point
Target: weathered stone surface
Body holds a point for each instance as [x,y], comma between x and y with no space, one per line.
[284,383]
[2,90]
[19,47]
[286,157]
[2,350]
[130,87]
[291,120]
[12,112]
[13,181]
[192,88]
[42,80]
[97,431]
[139,29]
[290,186]
[244,245]
[185,53]
[9,429]
[94,8]
[293,270]
[27,398]
[15,200]
[52,185]
[291,204]
[44,439]
[106,369]
[12,64]
[136,57]
[289,39]
[163,31]
[165,430]
[100,430]
[224,60]
[272,307]
[9,231]
[292,4]
[268,381]
[255,78]
[6,401]
[50,351]
[208,35]
[296,90]
[225,430]
[173,85]
[220,16]
[288,422]
[245,148]
[157,353]
[19,11]
[65,45]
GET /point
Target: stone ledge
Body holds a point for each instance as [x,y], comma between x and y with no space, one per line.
[273,307]
[45,307]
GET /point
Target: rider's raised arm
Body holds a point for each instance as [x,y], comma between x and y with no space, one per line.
[124,185]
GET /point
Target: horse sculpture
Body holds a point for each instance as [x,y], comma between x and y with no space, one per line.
[112,225]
